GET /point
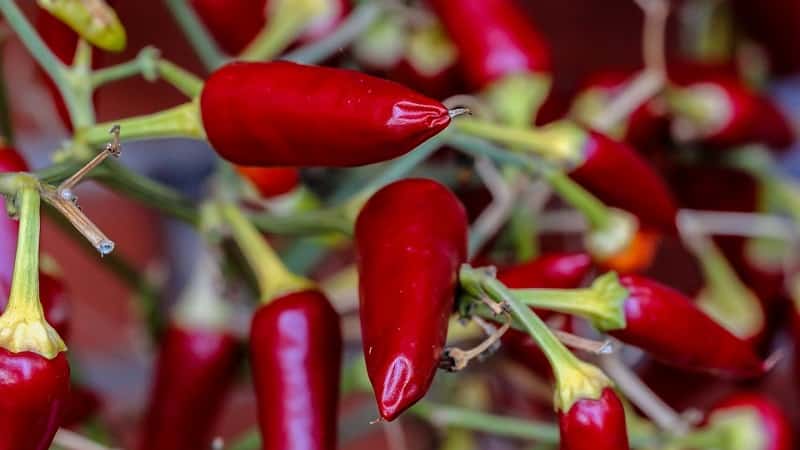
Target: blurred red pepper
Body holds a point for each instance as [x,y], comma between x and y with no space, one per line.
[552,271]
[34,373]
[411,238]
[594,424]
[296,346]
[722,112]
[195,369]
[494,38]
[286,114]
[271,181]
[234,23]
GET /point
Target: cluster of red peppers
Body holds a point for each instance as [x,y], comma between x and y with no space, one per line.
[412,236]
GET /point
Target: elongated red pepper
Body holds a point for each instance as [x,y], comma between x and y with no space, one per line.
[195,369]
[645,126]
[271,181]
[594,424]
[286,114]
[295,344]
[552,271]
[234,23]
[411,238]
[494,39]
[721,111]
[34,373]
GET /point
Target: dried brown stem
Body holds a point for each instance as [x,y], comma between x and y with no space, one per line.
[456,359]
[581,343]
[113,148]
[79,220]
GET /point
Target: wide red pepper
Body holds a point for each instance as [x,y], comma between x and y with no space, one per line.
[295,350]
[552,271]
[234,23]
[721,112]
[594,424]
[494,39]
[411,238]
[34,373]
[286,114]
[271,181]
[195,370]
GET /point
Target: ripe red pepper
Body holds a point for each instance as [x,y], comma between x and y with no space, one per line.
[494,38]
[722,112]
[617,175]
[552,271]
[234,24]
[411,238]
[195,369]
[286,114]
[271,181]
[594,424]
[295,345]
[664,323]
[646,125]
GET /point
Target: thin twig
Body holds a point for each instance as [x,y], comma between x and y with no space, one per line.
[456,359]
[497,213]
[582,343]
[113,148]
[79,220]
[74,441]
[737,224]
[656,13]
[642,396]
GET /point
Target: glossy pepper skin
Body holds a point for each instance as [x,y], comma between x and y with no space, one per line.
[494,38]
[296,350]
[33,394]
[552,271]
[617,175]
[235,23]
[271,181]
[594,424]
[286,114]
[774,427]
[10,161]
[411,238]
[194,372]
[664,323]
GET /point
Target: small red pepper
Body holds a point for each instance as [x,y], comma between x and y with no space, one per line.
[411,238]
[271,181]
[594,424]
[286,114]
[494,39]
[34,373]
[552,271]
[295,345]
[234,24]
[721,112]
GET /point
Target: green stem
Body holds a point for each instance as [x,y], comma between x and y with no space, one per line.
[273,278]
[199,37]
[6,118]
[24,296]
[180,121]
[561,142]
[308,223]
[284,26]
[356,23]
[79,108]
[596,212]
[575,379]
[147,191]
[495,425]
[143,64]
[186,82]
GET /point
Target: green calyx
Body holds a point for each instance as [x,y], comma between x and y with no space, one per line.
[93,20]
[575,382]
[23,327]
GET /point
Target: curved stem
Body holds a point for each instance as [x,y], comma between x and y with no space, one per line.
[356,23]
[201,40]
[307,223]
[287,19]
[186,82]
[180,121]
[273,278]
[24,297]
[548,143]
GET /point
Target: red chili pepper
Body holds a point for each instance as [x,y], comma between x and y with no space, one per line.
[286,114]
[234,24]
[664,323]
[271,181]
[722,112]
[553,271]
[411,238]
[594,424]
[195,369]
[495,39]
[646,125]
[617,175]
[771,426]
[296,345]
